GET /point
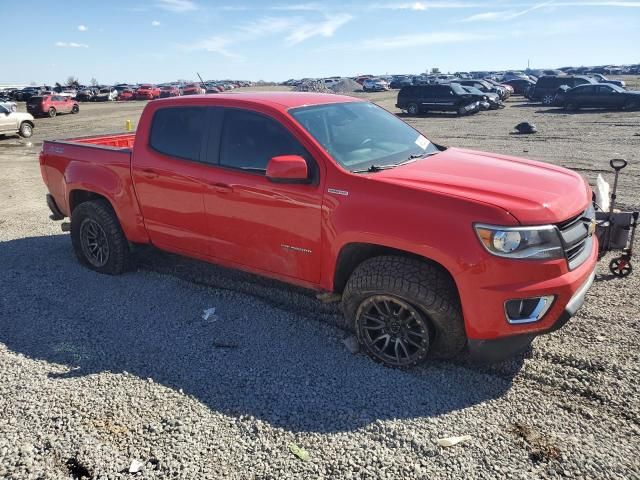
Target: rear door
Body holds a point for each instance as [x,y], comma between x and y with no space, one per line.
[273,227]
[170,174]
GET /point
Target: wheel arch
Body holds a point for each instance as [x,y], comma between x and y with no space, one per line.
[353,254]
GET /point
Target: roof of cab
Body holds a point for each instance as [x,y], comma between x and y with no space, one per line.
[280,100]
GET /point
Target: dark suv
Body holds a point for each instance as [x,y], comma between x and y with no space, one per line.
[547,87]
[436,98]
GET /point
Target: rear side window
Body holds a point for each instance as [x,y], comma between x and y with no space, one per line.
[250,140]
[178,132]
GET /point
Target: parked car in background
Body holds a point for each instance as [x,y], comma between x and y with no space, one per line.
[602,95]
[127,94]
[488,100]
[51,105]
[169,91]
[147,91]
[12,122]
[520,85]
[375,85]
[86,95]
[107,94]
[11,106]
[602,79]
[65,91]
[548,86]
[193,89]
[451,97]
[485,86]
[400,81]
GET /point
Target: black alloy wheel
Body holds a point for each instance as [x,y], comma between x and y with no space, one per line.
[392,331]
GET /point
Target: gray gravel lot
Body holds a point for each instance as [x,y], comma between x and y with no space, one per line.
[97,371]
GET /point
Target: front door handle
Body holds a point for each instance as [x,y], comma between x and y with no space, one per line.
[222,187]
[149,173]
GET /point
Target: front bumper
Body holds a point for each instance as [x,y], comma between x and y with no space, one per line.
[495,350]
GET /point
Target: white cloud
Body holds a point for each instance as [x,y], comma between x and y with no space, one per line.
[155,23]
[71,45]
[83,28]
[413,40]
[503,15]
[422,6]
[214,44]
[295,29]
[300,7]
[178,6]
[326,28]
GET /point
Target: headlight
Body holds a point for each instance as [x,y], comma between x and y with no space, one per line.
[521,242]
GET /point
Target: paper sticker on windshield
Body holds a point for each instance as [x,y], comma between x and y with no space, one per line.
[422,142]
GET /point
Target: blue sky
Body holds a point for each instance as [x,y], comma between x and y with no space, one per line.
[163,40]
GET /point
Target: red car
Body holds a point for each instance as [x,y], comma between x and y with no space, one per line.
[193,89]
[51,105]
[147,92]
[467,249]
[127,95]
[169,91]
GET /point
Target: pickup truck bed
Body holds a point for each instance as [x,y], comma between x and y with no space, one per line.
[117,140]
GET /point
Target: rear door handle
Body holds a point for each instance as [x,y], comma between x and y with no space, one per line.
[149,173]
[222,187]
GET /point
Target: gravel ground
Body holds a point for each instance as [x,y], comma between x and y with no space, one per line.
[97,372]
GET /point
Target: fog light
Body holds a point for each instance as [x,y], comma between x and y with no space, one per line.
[527,310]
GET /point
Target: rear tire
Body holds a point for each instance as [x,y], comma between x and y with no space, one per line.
[547,99]
[425,294]
[26,130]
[52,112]
[97,238]
[571,107]
[413,109]
[75,109]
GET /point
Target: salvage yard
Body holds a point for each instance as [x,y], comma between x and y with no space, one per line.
[102,375]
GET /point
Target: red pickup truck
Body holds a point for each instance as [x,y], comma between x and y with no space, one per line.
[430,249]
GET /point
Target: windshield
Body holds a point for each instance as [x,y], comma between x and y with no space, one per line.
[360,134]
[473,90]
[457,88]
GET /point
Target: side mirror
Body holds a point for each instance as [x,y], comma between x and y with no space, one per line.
[288,169]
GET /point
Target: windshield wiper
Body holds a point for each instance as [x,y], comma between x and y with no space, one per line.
[376,168]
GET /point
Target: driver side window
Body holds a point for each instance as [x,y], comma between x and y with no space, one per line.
[250,140]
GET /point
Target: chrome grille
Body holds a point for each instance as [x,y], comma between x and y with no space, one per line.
[576,240]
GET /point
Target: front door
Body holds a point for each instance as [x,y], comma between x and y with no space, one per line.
[274,227]
[7,122]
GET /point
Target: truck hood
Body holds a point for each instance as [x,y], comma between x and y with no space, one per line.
[533,192]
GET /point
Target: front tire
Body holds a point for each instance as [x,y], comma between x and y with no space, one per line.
[403,310]
[75,109]
[97,238]
[52,112]
[26,130]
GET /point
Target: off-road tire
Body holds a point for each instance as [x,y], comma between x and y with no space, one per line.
[100,211]
[413,109]
[424,286]
[52,112]
[26,130]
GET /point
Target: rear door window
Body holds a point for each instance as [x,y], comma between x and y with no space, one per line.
[179,132]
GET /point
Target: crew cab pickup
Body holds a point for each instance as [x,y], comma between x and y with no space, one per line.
[431,250]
